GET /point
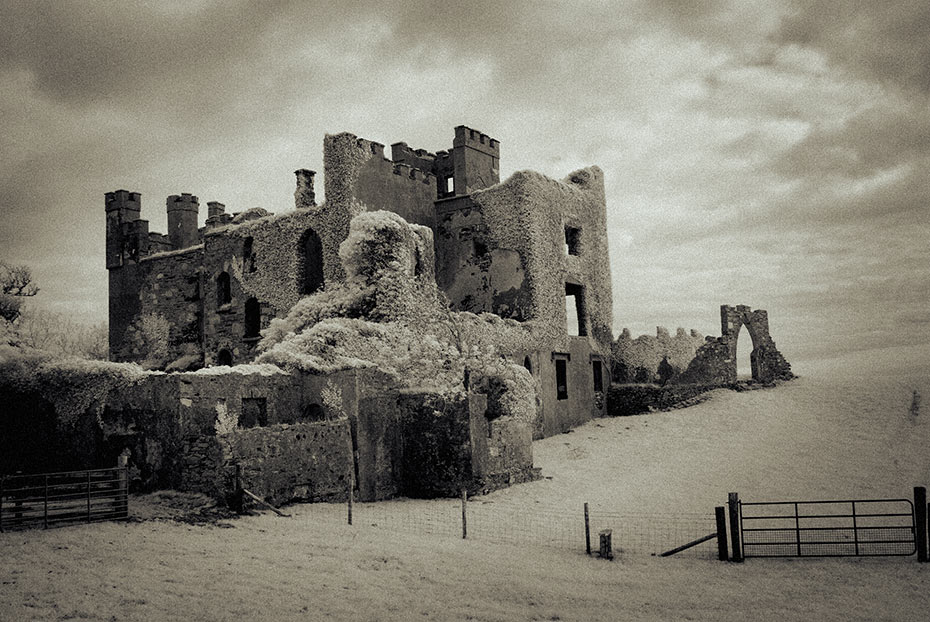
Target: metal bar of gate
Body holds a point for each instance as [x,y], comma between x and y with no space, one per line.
[797,528]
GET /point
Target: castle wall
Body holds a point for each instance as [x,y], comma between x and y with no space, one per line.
[406,191]
[640,359]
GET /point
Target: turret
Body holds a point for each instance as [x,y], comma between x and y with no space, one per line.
[182,220]
[304,196]
[122,207]
[475,161]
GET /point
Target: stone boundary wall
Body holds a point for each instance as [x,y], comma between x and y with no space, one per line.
[641,359]
[636,399]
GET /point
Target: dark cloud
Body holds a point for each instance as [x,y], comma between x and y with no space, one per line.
[754,151]
[884,41]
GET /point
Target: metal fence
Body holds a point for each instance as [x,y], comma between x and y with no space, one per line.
[48,499]
[633,534]
[862,527]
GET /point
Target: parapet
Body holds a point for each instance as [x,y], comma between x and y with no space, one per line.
[405,170]
[467,137]
[123,199]
[183,201]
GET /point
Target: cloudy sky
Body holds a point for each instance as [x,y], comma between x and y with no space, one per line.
[771,153]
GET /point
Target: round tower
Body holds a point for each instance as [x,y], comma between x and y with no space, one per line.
[182,220]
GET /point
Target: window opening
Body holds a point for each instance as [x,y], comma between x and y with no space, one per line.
[481,249]
[253,318]
[450,185]
[224,357]
[575,320]
[254,412]
[572,241]
[314,412]
[598,377]
[561,379]
[248,255]
[527,364]
[223,294]
[311,262]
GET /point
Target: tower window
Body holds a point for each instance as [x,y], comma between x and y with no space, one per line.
[223,294]
[576,324]
[248,255]
[598,376]
[253,318]
[450,185]
[311,263]
[572,241]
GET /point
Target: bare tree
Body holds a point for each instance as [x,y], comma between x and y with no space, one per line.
[15,284]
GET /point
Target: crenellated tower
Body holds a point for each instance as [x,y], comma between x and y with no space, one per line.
[182,220]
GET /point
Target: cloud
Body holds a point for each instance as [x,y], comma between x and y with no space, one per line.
[760,152]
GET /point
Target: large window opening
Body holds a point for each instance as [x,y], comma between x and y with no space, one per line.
[223,293]
[254,412]
[311,263]
[572,241]
[253,318]
[576,324]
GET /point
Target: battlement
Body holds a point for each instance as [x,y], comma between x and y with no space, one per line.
[123,199]
[183,201]
[405,170]
[467,137]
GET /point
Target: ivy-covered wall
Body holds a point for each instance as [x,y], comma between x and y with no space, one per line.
[641,359]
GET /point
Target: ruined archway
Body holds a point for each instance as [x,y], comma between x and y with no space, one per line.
[766,362]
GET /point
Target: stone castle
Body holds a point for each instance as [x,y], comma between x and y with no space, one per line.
[410,335]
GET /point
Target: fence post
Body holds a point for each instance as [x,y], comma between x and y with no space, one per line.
[920,520]
[122,464]
[237,494]
[464,517]
[587,529]
[720,515]
[351,495]
[733,502]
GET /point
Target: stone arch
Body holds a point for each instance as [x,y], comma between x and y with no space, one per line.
[766,361]
[310,263]
[224,357]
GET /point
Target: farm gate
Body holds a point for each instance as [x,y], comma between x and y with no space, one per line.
[47,499]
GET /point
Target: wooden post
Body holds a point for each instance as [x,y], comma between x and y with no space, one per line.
[351,495]
[238,501]
[733,502]
[88,496]
[464,517]
[720,514]
[122,463]
[587,530]
[920,522]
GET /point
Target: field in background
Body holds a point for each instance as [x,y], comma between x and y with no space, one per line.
[841,430]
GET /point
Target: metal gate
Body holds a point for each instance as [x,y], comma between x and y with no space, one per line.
[864,527]
[46,499]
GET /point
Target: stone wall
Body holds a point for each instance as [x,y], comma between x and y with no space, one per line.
[640,359]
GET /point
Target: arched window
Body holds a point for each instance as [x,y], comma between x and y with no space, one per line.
[223,295]
[224,357]
[311,263]
[253,318]
[528,364]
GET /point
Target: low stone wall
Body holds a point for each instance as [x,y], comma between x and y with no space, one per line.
[636,399]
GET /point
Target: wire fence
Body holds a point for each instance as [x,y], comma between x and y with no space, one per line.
[633,534]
